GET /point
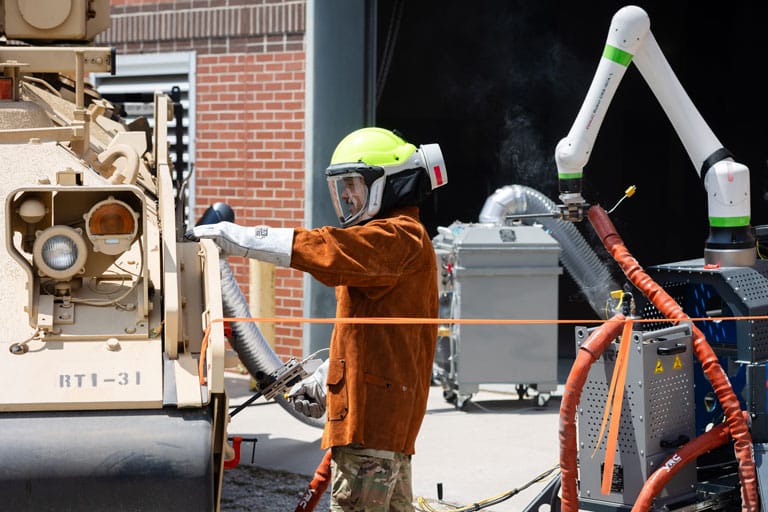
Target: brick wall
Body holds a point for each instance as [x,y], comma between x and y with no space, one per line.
[250,112]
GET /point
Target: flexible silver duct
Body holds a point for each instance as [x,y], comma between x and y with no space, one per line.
[248,341]
[584,266]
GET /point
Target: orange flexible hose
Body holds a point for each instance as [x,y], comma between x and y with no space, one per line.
[718,436]
[317,486]
[737,425]
[588,353]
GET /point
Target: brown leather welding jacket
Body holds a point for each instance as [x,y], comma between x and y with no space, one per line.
[378,375]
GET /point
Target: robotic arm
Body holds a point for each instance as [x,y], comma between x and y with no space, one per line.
[730,241]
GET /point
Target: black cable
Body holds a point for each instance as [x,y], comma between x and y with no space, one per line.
[389,47]
[245,404]
[554,501]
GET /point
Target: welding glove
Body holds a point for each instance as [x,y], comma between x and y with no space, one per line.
[273,245]
[309,395]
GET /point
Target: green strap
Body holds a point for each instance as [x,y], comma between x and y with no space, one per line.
[728,222]
[570,175]
[617,55]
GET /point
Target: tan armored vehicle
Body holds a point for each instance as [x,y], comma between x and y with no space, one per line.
[111,399]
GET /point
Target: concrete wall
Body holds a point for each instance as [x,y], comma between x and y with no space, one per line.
[340,65]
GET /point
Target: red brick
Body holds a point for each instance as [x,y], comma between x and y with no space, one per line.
[249,143]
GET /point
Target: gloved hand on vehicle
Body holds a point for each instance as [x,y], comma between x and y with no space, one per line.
[273,245]
[309,395]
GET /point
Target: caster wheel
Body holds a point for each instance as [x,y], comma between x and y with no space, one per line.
[462,401]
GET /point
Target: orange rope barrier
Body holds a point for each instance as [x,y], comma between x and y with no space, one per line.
[470,321]
[452,321]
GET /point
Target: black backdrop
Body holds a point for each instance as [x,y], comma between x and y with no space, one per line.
[498,83]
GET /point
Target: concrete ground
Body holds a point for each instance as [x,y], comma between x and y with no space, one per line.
[497,444]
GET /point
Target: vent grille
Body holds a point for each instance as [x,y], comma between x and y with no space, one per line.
[670,404]
[594,397]
[750,286]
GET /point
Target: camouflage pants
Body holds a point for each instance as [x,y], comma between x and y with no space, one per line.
[370,481]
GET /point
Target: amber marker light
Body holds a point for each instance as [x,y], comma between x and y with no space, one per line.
[111,219]
[111,226]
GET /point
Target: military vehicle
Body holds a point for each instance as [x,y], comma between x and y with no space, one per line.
[112,352]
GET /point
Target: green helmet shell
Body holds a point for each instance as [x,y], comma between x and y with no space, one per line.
[372,146]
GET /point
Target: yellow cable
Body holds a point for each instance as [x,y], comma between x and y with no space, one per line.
[757,248]
[629,192]
[615,294]
[422,502]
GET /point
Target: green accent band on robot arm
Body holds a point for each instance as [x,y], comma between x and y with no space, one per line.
[729,222]
[570,175]
[617,55]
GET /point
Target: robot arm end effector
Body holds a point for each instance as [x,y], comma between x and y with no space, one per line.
[573,207]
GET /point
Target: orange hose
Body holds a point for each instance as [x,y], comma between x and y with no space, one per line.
[588,353]
[737,425]
[317,486]
[707,441]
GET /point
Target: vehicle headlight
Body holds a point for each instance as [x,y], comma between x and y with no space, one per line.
[59,252]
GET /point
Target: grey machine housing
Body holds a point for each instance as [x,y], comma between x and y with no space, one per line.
[490,271]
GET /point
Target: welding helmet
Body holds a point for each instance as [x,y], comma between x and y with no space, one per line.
[373,170]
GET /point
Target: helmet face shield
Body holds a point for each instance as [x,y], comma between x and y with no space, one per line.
[349,196]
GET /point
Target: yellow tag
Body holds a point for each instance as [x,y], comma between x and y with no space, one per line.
[678,363]
[659,368]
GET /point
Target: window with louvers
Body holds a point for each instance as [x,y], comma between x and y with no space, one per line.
[133,87]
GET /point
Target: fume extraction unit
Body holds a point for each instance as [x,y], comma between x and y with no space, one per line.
[504,272]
